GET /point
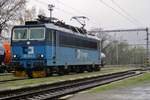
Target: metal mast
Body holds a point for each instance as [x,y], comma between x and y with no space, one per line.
[147,46]
[50,8]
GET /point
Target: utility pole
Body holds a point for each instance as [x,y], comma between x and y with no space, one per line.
[50,8]
[116,47]
[117,56]
[147,47]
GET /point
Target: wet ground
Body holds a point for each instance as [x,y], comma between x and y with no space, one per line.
[140,92]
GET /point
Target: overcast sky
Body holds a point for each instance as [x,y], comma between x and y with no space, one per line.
[136,12]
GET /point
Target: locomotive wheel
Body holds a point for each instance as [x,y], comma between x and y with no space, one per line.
[81,69]
[20,74]
[49,72]
[61,71]
[89,68]
[97,68]
[30,75]
[38,74]
[66,71]
[2,69]
[77,69]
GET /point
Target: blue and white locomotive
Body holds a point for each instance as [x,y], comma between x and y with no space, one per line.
[43,47]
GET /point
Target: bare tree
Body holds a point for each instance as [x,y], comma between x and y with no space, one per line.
[26,15]
[104,38]
[30,14]
[41,12]
[8,11]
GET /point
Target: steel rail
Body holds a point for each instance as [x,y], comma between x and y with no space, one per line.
[17,79]
[6,74]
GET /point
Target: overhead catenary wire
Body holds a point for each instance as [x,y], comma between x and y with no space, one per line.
[123,10]
[78,11]
[73,12]
[58,8]
[65,5]
[70,13]
[119,13]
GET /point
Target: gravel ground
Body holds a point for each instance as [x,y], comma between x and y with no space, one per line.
[140,92]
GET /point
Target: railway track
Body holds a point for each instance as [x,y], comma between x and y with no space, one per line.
[4,74]
[4,80]
[17,79]
[59,89]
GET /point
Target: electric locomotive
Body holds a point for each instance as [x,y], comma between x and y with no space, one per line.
[43,47]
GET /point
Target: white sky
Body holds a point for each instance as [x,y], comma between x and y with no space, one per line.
[99,14]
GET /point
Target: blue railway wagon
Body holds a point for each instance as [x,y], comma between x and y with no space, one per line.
[42,49]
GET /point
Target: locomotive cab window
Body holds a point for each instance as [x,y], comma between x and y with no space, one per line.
[20,34]
[37,33]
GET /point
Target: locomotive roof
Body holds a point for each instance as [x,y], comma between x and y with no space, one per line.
[55,27]
[58,25]
[52,26]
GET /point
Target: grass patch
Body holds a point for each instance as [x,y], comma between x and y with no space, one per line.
[23,83]
[137,80]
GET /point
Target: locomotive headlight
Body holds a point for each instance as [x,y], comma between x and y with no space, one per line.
[41,55]
[15,56]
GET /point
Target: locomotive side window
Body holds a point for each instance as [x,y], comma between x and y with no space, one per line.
[37,33]
[20,34]
[75,41]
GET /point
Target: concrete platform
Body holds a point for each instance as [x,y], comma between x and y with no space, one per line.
[140,92]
